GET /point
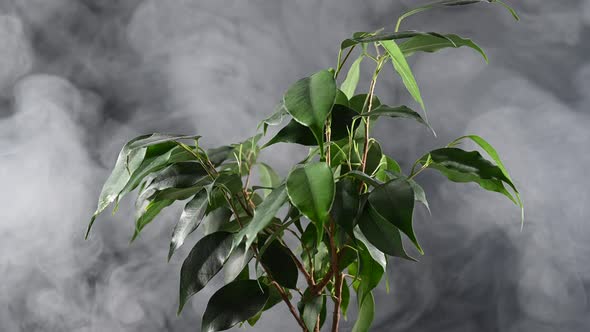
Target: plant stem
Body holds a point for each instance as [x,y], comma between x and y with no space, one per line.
[368,118]
[337,301]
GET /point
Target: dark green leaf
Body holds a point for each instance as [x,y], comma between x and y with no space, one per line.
[203,263]
[342,121]
[401,66]
[419,194]
[234,303]
[352,78]
[280,265]
[394,202]
[311,190]
[189,220]
[344,298]
[220,154]
[311,311]
[365,315]
[370,272]
[364,178]
[146,213]
[219,220]
[381,234]
[346,203]
[363,38]
[341,99]
[397,112]
[357,103]
[310,100]
[237,263]
[263,215]
[430,43]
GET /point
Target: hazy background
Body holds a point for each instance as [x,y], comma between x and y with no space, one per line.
[80,78]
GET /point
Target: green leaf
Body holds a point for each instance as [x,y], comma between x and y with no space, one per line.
[274,298]
[311,190]
[431,43]
[370,272]
[263,215]
[381,234]
[147,213]
[345,299]
[462,166]
[401,66]
[363,37]
[280,265]
[311,311]
[346,204]
[394,202]
[357,103]
[363,177]
[234,303]
[236,263]
[341,99]
[419,194]
[219,220]
[189,220]
[203,263]
[366,314]
[342,121]
[310,100]
[268,177]
[352,78]
[276,118]
[387,164]
[220,154]
[397,112]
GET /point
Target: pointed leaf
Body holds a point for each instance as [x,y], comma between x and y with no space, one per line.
[311,190]
[397,112]
[381,234]
[352,78]
[370,272]
[234,303]
[189,220]
[276,118]
[203,263]
[431,43]
[346,204]
[310,100]
[237,261]
[401,66]
[394,202]
[311,311]
[363,37]
[268,177]
[387,164]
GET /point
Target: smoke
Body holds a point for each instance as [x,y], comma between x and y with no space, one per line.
[79,78]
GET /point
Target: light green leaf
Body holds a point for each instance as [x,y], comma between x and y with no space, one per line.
[352,78]
[310,100]
[401,66]
[234,303]
[268,177]
[203,263]
[387,164]
[366,314]
[431,43]
[311,190]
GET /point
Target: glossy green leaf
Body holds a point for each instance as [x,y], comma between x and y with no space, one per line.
[363,177]
[431,43]
[203,263]
[219,220]
[394,202]
[357,103]
[387,164]
[344,299]
[280,265]
[419,194]
[366,314]
[342,121]
[274,298]
[352,78]
[220,154]
[263,215]
[341,99]
[370,272]
[401,66]
[397,112]
[346,203]
[310,100]
[268,177]
[146,213]
[381,234]
[311,189]
[236,263]
[189,220]
[463,166]
[234,303]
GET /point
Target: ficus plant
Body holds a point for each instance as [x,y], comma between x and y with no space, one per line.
[325,231]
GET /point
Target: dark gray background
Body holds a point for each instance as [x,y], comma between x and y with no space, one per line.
[79,78]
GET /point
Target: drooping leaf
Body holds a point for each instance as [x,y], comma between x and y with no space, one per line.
[268,177]
[344,299]
[189,220]
[234,303]
[220,154]
[219,220]
[203,263]
[364,178]
[366,314]
[147,213]
[381,234]
[401,66]
[397,112]
[370,272]
[346,203]
[419,194]
[431,43]
[310,100]
[462,166]
[394,202]
[311,190]
[263,215]
[352,78]
[280,265]
[274,298]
